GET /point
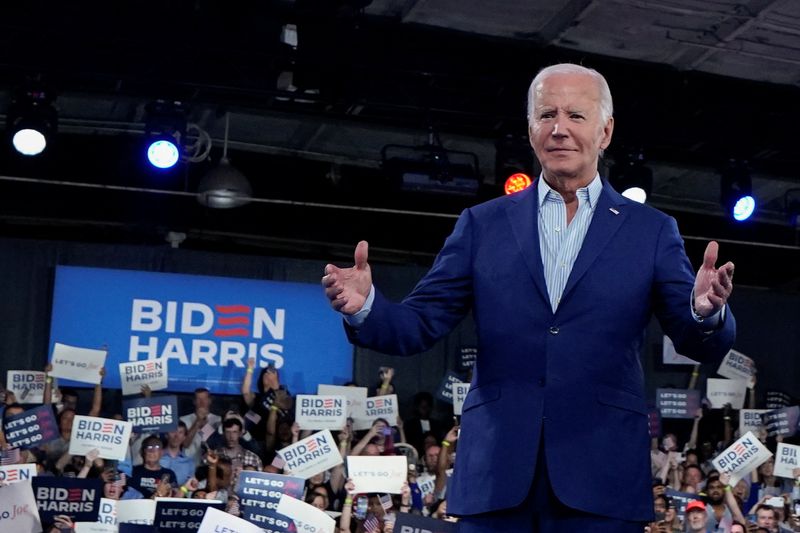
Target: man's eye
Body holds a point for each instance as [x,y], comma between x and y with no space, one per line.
[546,115]
[576,116]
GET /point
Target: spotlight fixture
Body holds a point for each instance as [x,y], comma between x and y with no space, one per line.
[224,187]
[736,190]
[632,177]
[32,120]
[514,164]
[165,131]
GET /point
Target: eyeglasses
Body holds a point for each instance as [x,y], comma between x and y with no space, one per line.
[153,447]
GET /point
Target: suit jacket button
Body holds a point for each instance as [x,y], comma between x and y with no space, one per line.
[553,330]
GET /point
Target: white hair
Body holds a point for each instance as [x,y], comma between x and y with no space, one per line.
[606,103]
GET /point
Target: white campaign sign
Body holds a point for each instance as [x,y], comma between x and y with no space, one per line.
[154,373]
[750,420]
[385,407]
[741,457]
[737,365]
[77,364]
[722,391]
[17,473]
[216,521]
[95,527]
[426,483]
[460,391]
[320,412]
[787,458]
[136,511]
[311,455]
[18,509]
[306,517]
[384,474]
[109,436]
[108,512]
[356,397]
[28,386]
[671,357]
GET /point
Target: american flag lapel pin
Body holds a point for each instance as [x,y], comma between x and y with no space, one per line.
[613,210]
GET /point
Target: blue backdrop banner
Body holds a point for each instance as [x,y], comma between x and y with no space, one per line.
[205,327]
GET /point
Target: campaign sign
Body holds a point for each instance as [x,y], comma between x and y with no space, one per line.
[109,437]
[741,457]
[205,327]
[307,518]
[176,515]
[356,397]
[680,500]
[752,420]
[153,373]
[17,473]
[216,521]
[460,391]
[726,391]
[445,390]
[782,421]
[158,414]
[95,527]
[77,498]
[320,412]
[737,365]
[654,423]
[787,458]
[670,357]
[108,512]
[28,386]
[259,494]
[382,473]
[18,513]
[426,483]
[32,428]
[467,355]
[411,523]
[125,527]
[139,512]
[777,399]
[677,403]
[78,364]
[311,455]
[385,407]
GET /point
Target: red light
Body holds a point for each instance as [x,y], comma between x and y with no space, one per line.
[517,182]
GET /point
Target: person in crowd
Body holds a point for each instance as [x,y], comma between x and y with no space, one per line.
[196,421]
[268,385]
[697,518]
[588,268]
[239,456]
[150,478]
[175,457]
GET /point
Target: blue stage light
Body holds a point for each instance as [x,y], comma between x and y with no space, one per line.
[163,153]
[29,141]
[744,208]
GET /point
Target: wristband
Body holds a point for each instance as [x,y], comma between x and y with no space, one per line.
[348,500]
[728,488]
[385,386]
[446,443]
[695,374]
[249,370]
[273,408]
[184,489]
[48,379]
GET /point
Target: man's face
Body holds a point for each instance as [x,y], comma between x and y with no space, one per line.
[692,477]
[697,519]
[736,528]
[566,130]
[766,518]
[202,400]
[175,438]
[152,453]
[232,435]
[431,458]
[716,491]
[69,401]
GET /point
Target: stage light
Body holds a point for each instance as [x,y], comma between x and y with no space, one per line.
[514,163]
[632,177]
[736,190]
[32,120]
[224,187]
[165,131]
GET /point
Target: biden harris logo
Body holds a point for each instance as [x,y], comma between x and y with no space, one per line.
[211,334]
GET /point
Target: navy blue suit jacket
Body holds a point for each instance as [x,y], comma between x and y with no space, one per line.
[572,379]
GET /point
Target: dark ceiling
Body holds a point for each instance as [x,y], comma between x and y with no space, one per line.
[364,77]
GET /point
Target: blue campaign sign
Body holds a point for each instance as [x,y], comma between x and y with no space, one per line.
[32,428]
[77,498]
[259,494]
[177,515]
[158,414]
[407,522]
[205,327]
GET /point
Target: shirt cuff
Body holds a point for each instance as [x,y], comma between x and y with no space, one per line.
[357,319]
[710,323]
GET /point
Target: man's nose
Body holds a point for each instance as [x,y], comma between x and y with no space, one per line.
[559,128]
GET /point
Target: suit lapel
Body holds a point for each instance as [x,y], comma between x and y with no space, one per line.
[604,225]
[523,216]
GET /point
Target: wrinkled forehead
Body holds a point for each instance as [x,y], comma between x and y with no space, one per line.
[561,88]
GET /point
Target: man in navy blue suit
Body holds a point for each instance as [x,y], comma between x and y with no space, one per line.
[562,279]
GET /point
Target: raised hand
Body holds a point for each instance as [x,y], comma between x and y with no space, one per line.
[348,288]
[712,286]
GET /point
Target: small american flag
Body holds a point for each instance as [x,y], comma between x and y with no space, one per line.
[278,462]
[9,456]
[386,501]
[371,524]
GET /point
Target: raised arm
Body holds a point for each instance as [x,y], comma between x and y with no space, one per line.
[97,397]
[247,382]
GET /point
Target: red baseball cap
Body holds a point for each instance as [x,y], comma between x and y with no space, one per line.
[695,505]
